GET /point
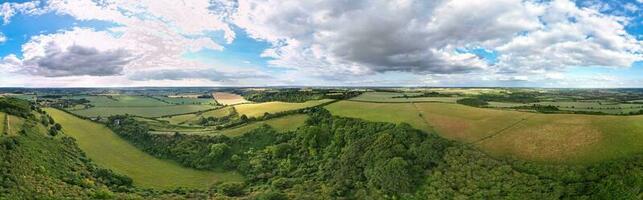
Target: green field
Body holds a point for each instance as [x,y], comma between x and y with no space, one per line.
[142,111]
[604,107]
[258,109]
[380,112]
[192,118]
[184,100]
[110,151]
[121,101]
[225,98]
[286,123]
[389,97]
[554,138]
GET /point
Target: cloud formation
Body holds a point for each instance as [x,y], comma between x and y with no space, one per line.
[362,37]
[333,41]
[207,74]
[78,60]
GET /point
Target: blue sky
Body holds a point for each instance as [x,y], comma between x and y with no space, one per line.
[559,43]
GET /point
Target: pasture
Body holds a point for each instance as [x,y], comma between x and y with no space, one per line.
[108,150]
[146,111]
[121,101]
[282,124]
[225,98]
[192,118]
[390,97]
[186,100]
[380,112]
[552,138]
[258,109]
[587,106]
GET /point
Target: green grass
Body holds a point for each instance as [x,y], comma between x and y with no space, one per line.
[121,101]
[142,111]
[388,97]
[282,124]
[552,138]
[380,112]
[183,100]
[3,117]
[192,118]
[110,151]
[604,107]
[258,109]
[14,124]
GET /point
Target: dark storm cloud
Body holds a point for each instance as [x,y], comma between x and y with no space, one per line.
[78,60]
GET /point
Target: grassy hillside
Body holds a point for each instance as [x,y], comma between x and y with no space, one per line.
[394,97]
[554,138]
[380,112]
[34,165]
[146,111]
[281,124]
[108,150]
[193,118]
[225,98]
[258,109]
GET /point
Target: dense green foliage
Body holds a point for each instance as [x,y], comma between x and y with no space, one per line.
[475,102]
[15,107]
[338,158]
[34,165]
[297,95]
[424,94]
[515,97]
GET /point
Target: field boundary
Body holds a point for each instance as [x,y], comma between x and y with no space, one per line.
[502,130]
[421,115]
[365,101]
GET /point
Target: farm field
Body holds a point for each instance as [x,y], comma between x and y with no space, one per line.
[225,98]
[109,150]
[389,97]
[286,123]
[380,112]
[552,138]
[147,111]
[187,100]
[604,107]
[258,109]
[121,101]
[192,118]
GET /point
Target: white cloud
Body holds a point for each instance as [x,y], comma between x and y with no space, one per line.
[72,53]
[363,37]
[9,9]
[339,41]
[3,38]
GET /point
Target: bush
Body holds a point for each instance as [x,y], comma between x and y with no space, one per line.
[232,189]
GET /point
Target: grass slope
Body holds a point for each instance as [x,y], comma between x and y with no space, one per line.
[258,109]
[108,150]
[555,138]
[388,97]
[286,123]
[380,112]
[225,98]
[142,111]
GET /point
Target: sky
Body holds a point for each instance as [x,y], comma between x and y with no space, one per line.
[439,43]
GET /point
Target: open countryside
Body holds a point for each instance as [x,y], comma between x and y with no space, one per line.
[321,100]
